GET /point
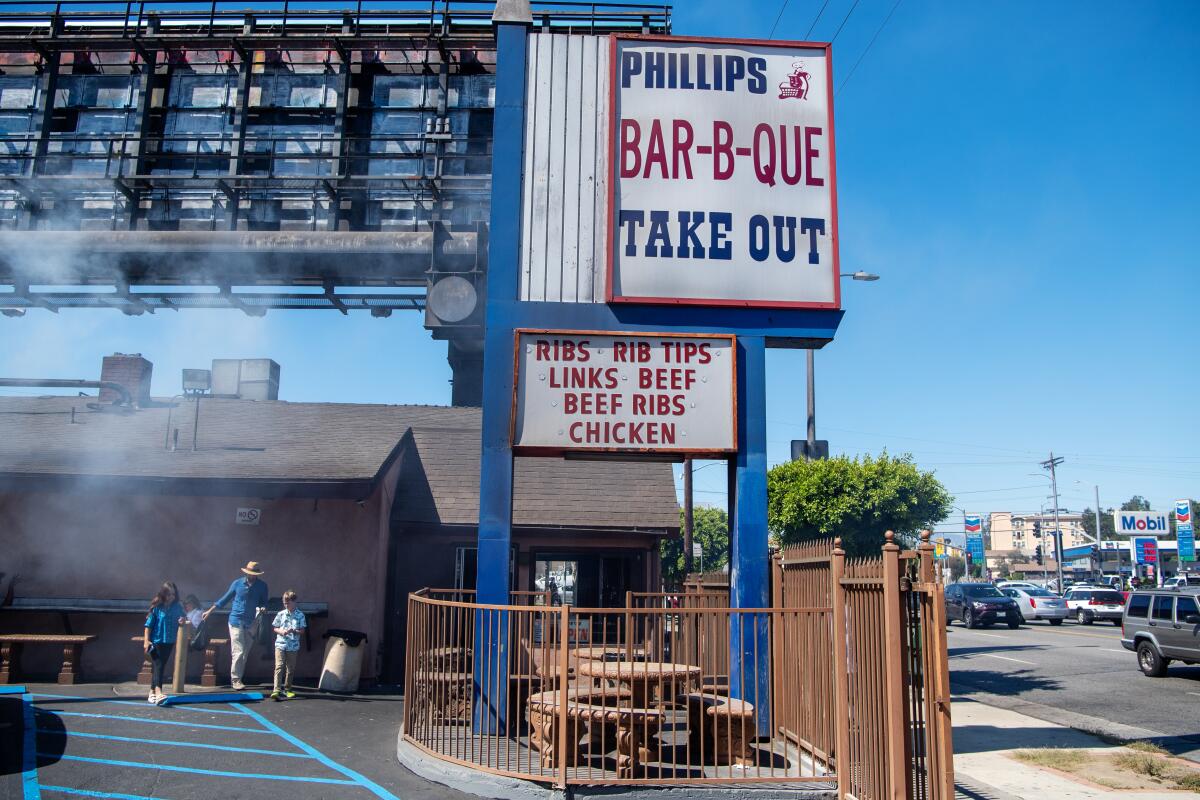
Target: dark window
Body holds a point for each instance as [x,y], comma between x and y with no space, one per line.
[981,590]
[1108,597]
[1139,605]
[1183,607]
[1162,607]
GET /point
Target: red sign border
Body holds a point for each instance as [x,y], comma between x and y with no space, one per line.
[631,453]
[610,296]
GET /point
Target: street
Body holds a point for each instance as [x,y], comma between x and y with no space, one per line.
[1079,676]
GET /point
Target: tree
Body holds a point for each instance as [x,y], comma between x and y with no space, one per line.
[957,566]
[1106,524]
[711,530]
[1136,503]
[856,498]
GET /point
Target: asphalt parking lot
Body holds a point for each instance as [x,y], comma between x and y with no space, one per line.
[1076,669]
[91,742]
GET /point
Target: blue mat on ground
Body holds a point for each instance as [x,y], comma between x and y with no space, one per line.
[228,697]
[10,689]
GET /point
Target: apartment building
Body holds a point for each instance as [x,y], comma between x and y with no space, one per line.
[1014,532]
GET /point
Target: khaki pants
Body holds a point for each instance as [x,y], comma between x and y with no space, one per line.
[240,642]
[285,669]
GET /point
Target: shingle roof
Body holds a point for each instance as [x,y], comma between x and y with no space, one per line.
[441,485]
[546,491]
[322,443]
[236,439]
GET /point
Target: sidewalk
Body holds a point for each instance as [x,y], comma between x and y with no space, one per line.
[985,736]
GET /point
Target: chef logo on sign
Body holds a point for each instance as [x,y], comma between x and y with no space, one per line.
[796,84]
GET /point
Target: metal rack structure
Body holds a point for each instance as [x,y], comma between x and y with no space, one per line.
[331,155]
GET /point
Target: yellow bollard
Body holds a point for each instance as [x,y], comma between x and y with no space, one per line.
[181,653]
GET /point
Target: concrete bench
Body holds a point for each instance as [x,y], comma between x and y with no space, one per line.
[588,710]
[72,645]
[719,727]
[208,675]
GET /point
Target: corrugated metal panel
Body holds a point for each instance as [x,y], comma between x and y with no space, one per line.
[563,204]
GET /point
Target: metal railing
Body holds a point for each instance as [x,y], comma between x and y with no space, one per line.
[844,681]
[602,695]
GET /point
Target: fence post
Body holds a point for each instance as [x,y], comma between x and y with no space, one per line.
[837,599]
[628,626]
[939,734]
[893,671]
[562,687]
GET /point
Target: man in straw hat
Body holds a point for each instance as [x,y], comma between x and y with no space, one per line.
[249,596]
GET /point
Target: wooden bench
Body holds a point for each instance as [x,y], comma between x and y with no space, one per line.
[72,645]
[719,727]
[208,675]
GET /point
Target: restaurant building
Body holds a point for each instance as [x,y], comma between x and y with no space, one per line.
[352,505]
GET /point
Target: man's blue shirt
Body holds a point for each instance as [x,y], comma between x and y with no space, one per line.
[246,597]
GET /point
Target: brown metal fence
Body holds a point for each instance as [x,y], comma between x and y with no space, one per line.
[856,694]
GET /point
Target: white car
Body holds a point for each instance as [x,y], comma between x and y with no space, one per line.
[1038,603]
[1002,585]
[1181,582]
[1087,605]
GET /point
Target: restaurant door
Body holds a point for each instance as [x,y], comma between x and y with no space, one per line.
[589,580]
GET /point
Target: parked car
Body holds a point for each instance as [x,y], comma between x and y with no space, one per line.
[1089,604]
[1181,582]
[1002,585]
[1162,626]
[1038,603]
[980,604]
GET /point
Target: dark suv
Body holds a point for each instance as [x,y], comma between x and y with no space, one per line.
[1162,625]
[980,604]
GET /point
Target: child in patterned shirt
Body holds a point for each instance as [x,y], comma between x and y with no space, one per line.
[287,626]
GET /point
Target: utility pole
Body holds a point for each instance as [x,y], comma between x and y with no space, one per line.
[812,403]
[687,517]
[1051,464]
[1100,537]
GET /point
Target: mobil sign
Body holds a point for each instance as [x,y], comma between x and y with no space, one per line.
[1131,523]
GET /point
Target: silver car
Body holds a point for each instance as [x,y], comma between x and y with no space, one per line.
[1038,603]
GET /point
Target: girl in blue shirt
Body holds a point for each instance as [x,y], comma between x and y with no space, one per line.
[161,630]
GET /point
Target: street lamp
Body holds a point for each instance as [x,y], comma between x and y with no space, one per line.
[811,433]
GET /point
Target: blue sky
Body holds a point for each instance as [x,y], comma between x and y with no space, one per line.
[1022,175]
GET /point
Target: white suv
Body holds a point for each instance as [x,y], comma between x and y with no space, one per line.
[1089,604]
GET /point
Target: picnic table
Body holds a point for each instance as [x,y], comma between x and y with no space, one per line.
[642,677]
[612,652]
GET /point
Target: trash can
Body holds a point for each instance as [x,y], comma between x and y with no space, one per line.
[343,660]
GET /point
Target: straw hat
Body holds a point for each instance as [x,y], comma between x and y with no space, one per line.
[252,568]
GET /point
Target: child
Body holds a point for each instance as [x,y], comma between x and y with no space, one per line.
[191,604]
[159,634]
[287,626]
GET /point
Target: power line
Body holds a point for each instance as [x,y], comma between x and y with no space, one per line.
[778,17]
[844,20]
[815,21]
[869,45]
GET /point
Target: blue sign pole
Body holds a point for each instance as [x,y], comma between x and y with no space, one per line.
[490,685]
[749,657]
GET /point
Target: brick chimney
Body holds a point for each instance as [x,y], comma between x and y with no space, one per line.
[131,371]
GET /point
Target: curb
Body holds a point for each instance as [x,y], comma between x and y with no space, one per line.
[500,787]
[971,789]
[1084,723]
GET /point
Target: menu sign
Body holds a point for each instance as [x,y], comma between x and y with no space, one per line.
[624,392]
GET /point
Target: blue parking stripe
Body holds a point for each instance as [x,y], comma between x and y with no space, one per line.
[155,721]
[361,780]
[197,771]
[94,793]
[29,778]
[70,734]
[137,703]
[12,689]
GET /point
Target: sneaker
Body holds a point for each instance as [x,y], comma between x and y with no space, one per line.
[238,686]
[162,698]
[152,698]
[275,696]
[289,694]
